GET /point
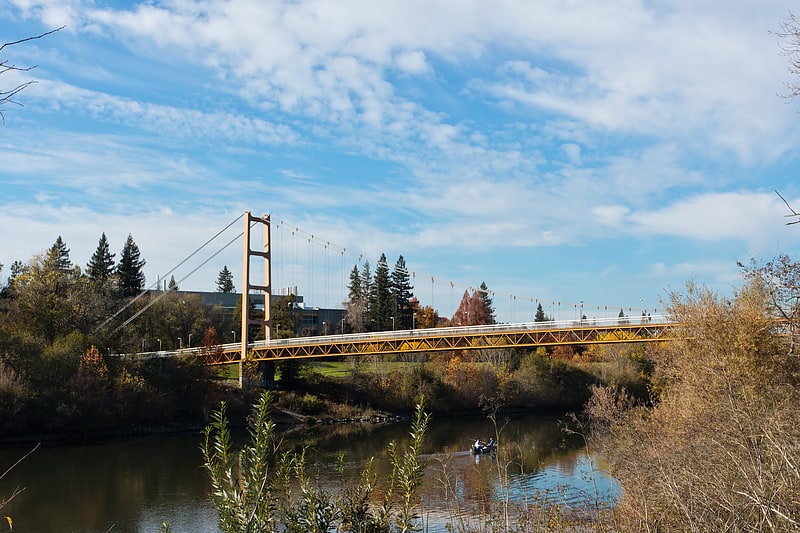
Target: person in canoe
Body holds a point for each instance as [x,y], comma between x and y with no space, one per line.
[483,447]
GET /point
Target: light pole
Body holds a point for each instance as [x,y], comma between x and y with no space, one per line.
[190,340]
[180,343]
[414,321]
[392,322]
[342,327]
[324,326]
[234,335]
[159,344]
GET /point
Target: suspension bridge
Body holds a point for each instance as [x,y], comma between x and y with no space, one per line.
[582,331]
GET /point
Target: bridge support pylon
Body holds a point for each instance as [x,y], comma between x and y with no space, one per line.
[267,370]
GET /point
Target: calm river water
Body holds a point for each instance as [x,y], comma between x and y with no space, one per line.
[134,485]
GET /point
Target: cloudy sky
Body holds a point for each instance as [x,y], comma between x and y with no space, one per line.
[560,151]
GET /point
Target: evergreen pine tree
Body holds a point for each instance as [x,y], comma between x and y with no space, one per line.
[355,302]
[59,256]
[486,309]
[129,269]
[402,295]
[380,298]
[354,288]
[366,289]
[173,285]
[101,266]
[540,316]
[225,281]
[366,280]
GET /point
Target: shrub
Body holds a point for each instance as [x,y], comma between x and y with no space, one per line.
[721,447]
[542,381]
[262,489]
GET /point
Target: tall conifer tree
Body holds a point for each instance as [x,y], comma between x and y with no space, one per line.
[366,289]
[402,295]
[540,316]
[131,276]
[356,302]
[380,297]
[354,288]
[486,307]
[58,255]
[101,266]
[225,281]
[462,316]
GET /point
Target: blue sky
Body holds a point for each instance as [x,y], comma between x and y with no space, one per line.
[560,151]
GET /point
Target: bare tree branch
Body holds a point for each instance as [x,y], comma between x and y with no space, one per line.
[790,35]
[45,34]
[793,214]
[6,97]
[16,492]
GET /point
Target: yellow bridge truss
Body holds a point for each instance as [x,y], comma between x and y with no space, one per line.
[532,334]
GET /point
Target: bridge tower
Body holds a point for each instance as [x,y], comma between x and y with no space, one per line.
[267,368]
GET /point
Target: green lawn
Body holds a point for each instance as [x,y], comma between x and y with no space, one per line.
[346,368]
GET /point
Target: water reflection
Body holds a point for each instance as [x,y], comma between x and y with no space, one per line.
[134,485]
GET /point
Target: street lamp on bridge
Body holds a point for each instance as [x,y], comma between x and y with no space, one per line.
[234,335]
[159,344]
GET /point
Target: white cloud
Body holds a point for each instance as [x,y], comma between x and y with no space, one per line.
[611,215]
[170,121]
[747,217]
[412,62]
[440,124]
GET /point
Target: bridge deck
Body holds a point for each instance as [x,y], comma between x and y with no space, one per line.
[528,334]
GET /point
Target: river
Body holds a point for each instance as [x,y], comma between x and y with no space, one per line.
[133,485]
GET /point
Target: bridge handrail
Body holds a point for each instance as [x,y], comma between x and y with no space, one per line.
[459,330]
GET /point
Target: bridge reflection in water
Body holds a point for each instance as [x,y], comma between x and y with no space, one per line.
[527,334]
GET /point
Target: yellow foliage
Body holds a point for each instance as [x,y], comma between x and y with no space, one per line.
[92,365]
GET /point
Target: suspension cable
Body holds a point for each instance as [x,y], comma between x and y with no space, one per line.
[163,294]
[130,303]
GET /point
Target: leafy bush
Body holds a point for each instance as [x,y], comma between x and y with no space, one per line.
[543,381]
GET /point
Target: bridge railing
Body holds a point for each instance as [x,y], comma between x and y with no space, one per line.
[466,330]
[421,333]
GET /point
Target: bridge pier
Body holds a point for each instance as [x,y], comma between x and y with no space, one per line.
[266,369]
[264,378]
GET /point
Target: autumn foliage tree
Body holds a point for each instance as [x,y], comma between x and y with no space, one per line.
[719,450]
[475,309]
